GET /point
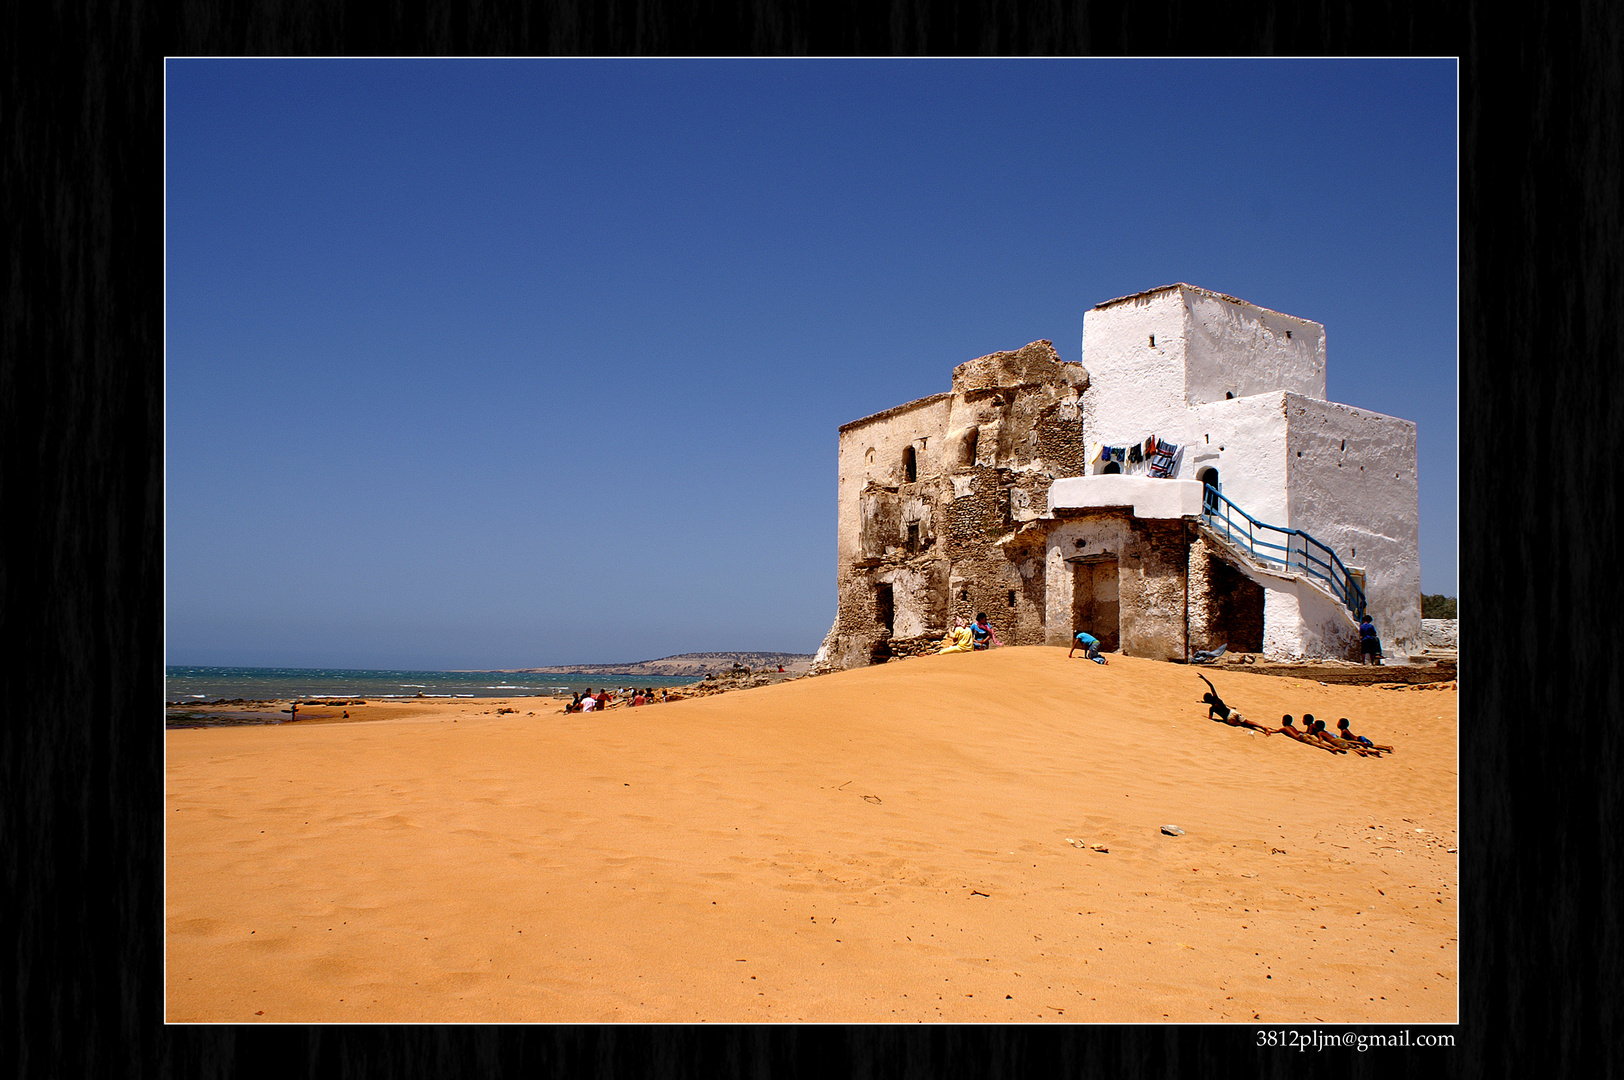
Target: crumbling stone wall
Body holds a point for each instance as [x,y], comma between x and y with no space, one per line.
[949,540]
[1226,606]
[1151,585]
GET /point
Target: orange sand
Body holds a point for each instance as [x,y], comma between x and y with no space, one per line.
[888,844]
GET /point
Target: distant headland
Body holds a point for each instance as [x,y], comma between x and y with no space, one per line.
[684,664]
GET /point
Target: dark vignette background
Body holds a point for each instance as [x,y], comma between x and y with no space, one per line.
[81,596]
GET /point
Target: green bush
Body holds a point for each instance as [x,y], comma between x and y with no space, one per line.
[1438,607]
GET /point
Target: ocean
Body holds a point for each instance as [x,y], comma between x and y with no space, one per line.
[194,685]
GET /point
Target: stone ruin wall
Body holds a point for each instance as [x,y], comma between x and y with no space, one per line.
[1226,606]
[985,455]
[1151,585]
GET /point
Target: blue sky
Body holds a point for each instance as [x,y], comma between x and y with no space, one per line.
[511,363]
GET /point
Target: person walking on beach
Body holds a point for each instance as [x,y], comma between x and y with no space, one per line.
[1370,646]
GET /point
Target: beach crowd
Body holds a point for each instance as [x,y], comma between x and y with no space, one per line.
[590,702]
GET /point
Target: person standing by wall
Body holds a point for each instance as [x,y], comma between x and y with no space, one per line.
[1370,646]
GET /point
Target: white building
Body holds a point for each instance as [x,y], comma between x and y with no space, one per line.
[1279,516]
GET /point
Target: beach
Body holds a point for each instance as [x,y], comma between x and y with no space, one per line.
[914,841]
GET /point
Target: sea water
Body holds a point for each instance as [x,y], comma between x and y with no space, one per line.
[192,685]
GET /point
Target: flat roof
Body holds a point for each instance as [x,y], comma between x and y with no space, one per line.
[895,410]
[1204,292]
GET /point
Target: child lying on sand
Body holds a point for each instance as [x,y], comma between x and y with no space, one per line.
[1217,710]
[1345,732]
[1287,728]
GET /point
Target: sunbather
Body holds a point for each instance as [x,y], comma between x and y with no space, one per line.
[1288,728]
[1317,729]
[1346,732]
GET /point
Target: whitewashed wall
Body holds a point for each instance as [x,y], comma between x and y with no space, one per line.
[1242,349]
[1134,386]
[1162,363]
[1351,475]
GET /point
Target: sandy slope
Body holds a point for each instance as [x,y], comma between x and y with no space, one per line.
[883,844]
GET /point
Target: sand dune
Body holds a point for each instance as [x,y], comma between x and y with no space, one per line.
[887,844]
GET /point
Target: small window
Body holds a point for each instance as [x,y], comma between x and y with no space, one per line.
[968,457]
[1012,598]
[910,465]
[1228,395]
[1153,341]
[913,537]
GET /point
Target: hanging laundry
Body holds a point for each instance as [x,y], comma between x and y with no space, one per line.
[1165,461]
[1134,455]
[1094,449]
[1119,453]
[1150,445]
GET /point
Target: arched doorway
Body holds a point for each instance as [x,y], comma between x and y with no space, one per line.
[910,465]
[1111,467]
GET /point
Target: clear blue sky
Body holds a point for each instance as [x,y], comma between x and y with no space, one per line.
[512,363]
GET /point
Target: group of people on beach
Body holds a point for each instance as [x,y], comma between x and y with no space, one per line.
[590,702]
[970,637]
[1312,733]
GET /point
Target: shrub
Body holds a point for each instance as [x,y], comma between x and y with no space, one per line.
[1437,607]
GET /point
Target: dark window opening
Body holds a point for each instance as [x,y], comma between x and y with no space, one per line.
[964,594]
[1344,444]
[1153,341]
[1288,335]
[967,452]
[1209,477]
[913,536]
[1081,544]
[1228,395]
[1012,598]
[885,610]
[910,465]
[1113,467]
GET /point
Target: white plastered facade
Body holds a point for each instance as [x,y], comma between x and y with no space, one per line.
[1241,390]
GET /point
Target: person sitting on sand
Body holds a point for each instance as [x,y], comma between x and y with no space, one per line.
[956,639]
[1346,732]
[588,702]
[1288,728]
[982,635]
[1090,646]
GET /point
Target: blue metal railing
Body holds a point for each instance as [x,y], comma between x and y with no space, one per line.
[1296,551]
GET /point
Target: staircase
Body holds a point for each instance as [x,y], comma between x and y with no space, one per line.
[1276,548]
